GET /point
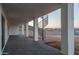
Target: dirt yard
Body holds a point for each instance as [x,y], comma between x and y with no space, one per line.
[56,42]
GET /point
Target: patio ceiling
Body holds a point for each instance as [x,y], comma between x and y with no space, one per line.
[24,12]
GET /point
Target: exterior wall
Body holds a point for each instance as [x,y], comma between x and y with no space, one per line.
[6,29]
[0,30]
[13,30]
[26,30]
[22,29]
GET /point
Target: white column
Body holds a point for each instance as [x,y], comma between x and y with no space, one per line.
[67,29]
[0,32]
[27,31]
[36,30]
[22,29]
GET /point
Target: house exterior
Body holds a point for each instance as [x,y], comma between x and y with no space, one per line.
[14,15]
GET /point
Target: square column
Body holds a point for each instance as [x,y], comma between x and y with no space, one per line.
[67,29]
[36,30]
[27,31]
[22,29]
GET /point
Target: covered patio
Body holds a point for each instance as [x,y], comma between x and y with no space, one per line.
[15,42]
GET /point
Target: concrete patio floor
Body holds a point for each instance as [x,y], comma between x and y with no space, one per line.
[20,45]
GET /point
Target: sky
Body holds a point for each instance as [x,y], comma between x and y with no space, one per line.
[54,18]
[76,15]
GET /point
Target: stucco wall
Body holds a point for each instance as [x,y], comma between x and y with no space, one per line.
[13,30]
[0,29]
[6,29]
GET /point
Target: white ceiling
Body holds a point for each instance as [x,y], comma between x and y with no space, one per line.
[24,12]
